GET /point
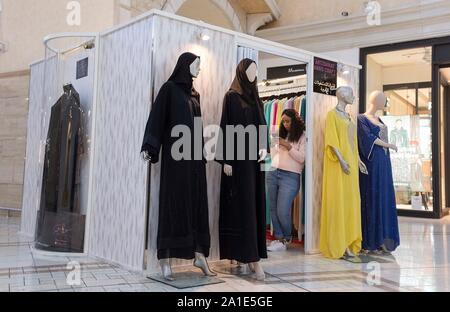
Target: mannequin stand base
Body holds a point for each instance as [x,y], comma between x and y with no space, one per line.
[363,258]
[188,279]
[228,268]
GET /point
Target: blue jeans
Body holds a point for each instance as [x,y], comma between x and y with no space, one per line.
[283,186]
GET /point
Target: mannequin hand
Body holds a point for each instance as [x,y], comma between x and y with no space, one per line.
[363,167]
[145,156]
[262,155]
[394,148]
[345,167]
[228,170]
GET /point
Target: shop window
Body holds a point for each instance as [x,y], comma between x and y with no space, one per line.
[405,77]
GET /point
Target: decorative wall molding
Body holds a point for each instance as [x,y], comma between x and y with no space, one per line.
[19,73]
[403,24]
[254,21]
[274,8]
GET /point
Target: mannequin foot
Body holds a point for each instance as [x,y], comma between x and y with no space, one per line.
[251,266]
[260,275]
[201,263]
[167,270]
[385,250]
[350,254]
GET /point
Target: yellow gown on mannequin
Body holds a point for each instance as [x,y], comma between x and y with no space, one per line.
[341,202]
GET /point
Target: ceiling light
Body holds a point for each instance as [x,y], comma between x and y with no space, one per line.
[205,37]
[203,33]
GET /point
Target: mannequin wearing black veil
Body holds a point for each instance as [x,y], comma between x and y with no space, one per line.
[243,198]
[183,224]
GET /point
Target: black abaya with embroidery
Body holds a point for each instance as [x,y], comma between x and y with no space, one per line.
[243,198]
[183,225]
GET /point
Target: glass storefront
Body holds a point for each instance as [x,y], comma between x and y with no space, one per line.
[405,78]
[408,116]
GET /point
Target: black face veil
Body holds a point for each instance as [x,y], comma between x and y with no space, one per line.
[182,72]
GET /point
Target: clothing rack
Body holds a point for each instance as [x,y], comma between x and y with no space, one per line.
[283,95]
[281,81]
[286,87]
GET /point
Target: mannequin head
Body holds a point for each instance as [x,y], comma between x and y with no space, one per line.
[183,72]
[195,67]
[345,95]
[252,72]
[377,100]
[245,82]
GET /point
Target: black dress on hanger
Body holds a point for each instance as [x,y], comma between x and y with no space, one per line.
[243,197]
[60,227]
[183,225]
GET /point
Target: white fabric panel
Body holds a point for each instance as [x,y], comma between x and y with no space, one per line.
[43,94]
[117,225]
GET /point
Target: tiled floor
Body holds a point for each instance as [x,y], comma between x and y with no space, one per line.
[422,263]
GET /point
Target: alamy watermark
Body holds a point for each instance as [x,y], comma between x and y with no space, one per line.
[373,11]
[374,274]
[74,275]
[74,16]
[214,143]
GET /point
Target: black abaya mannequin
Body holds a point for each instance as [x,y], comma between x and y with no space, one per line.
[243,199]
[183,227]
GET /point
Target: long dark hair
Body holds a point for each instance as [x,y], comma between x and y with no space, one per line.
[297,126]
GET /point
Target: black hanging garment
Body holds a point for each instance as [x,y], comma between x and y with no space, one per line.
[243,196]
[183,225]
[60,225]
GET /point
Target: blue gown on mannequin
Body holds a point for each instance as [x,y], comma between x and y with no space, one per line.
[378,206]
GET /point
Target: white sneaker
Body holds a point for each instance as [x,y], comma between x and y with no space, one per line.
[276,246]
[272,243]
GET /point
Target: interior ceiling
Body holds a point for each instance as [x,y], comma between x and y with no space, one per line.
[253,6]
[142,5]
[403,57]
[445,72]
[209,13]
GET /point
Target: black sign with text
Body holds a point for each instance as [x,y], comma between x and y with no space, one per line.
[82,68]
[286,71]
[325,76]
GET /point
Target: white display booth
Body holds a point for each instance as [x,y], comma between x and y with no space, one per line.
[129,64]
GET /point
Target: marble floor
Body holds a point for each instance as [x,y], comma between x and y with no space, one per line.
[422,263]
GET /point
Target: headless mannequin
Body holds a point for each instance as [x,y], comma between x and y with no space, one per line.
[346,97]
[377,102]
[256,267]
[200,259]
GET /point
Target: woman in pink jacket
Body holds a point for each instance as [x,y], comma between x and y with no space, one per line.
[284,180]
